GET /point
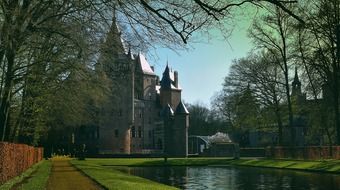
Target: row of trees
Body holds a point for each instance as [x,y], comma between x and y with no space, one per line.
[257,93]
[205,121]
[48,52]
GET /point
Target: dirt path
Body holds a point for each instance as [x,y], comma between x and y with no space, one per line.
[66,177]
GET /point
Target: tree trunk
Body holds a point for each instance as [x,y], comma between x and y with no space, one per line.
[7,95]
[278,120]
[336,82]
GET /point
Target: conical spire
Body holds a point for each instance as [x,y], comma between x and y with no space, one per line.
[296,78]
[181,109]
[167,111]
[296,84]
[166,80]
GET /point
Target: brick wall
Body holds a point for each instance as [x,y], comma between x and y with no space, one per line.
[16,158]
[308,152]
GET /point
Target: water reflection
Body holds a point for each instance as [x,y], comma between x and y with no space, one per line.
[202,178]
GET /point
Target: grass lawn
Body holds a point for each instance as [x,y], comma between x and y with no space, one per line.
[332,166]
[35,178]
[158,161]
[114,179]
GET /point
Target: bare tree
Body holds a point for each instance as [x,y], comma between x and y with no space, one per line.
[319,53]
[146,22]
[261,74]
[273,33]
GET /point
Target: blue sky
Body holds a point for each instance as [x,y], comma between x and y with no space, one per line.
[203,67]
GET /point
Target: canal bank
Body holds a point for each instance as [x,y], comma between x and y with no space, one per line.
[327,166]
[321,166]
[108,172]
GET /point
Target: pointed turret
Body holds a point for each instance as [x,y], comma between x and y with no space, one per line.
[167,111]
[296,84]
[181,109]
[166,80]
[170,91]
[114,39]
[296,78]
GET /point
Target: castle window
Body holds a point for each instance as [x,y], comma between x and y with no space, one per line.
[140,114]
[120,113]
[150,133]
[149,120]
[133,132]
[116,133]
[140,131]
[150,96]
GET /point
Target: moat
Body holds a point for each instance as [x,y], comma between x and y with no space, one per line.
[236,178]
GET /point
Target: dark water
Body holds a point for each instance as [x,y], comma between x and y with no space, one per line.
[236,178]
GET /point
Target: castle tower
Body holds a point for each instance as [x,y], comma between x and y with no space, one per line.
[296,85]
[180,131]
[117,65]
[176,130]
[170,92]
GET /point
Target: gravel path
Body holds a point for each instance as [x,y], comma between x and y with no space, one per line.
[64,176]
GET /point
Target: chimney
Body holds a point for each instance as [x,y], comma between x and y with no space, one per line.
[153,68]
[176,79]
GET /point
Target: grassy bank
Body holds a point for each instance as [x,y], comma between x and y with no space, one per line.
[331,166]
[316,166]
[102,170]
[114,179]
[34,178]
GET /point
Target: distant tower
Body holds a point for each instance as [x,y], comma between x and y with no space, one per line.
[175,123]
[117,64]
[170,92]
[296,85]
[180,131]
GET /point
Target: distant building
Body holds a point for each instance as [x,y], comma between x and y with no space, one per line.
[146,114]
[302,108]
[216,145]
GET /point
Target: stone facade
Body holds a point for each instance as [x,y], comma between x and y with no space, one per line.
[144,115]
[145,123]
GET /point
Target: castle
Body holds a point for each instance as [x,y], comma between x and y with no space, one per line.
[146,114]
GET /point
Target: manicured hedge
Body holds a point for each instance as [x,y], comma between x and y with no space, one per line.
[16,158]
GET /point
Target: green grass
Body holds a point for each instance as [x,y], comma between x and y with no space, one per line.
[159,161]
[332,166]
[101,170]
[114,179]
[34,178]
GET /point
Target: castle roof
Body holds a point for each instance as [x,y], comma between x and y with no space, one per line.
[145,66]
[167,111]
[168,79]
[296,80]
[181,109]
